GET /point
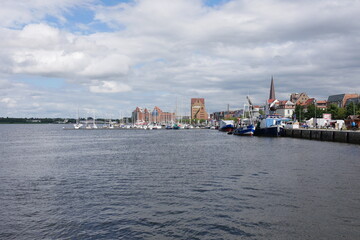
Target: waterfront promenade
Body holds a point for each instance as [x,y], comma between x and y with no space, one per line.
[345,136]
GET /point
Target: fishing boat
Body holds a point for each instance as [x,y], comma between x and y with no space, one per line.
[246,129]
[226,125]
[271,126]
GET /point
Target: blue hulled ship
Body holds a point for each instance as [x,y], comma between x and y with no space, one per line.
[271,126]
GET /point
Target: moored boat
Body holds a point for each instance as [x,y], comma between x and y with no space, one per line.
[226,125]
[249,128]
[271,126]
[78,125]
[245,131]
[176,126]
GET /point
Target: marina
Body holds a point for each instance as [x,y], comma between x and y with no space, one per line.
[180,120]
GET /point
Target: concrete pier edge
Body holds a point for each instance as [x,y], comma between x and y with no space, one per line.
[344,136]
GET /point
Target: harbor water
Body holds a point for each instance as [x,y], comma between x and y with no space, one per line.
[174,184]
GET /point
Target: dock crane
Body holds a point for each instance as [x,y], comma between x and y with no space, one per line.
[251,108]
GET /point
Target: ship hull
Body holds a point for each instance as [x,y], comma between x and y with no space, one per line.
[274,131]
[245,131]
[226,129]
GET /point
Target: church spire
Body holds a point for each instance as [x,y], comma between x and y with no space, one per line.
[272,89]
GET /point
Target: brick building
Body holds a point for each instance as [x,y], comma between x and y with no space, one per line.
[198,110]
[144,116]
[299,98]
[341,99]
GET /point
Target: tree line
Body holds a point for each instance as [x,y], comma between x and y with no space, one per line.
[336,112]
[33,120]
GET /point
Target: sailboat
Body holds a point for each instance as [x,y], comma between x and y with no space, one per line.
[94,126]
[250,128]
[78,125]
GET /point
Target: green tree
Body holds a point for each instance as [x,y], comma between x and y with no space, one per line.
[310,113]
[352,109]
[333,110]
[299,111]
[341,113]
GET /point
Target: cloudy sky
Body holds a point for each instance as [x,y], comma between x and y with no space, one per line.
[111,55]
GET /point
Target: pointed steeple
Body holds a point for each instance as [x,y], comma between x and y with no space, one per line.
[272,89]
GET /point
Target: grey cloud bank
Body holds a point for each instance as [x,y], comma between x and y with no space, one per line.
[159,50]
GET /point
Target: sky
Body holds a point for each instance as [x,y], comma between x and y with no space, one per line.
[109,56]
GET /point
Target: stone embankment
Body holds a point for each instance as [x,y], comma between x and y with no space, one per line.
[344,136]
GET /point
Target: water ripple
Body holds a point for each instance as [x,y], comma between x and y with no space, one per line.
[197,184]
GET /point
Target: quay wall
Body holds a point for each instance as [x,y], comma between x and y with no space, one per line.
[325,135]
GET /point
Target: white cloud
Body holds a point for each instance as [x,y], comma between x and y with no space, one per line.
[9,102]
[107,66]
[110,87]
[39,49]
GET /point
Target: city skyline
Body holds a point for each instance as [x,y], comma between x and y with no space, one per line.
[110,56]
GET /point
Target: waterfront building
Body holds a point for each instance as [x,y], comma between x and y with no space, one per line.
[304,100]
[198,110]
[355,100]
[285,108]
[156,114]
[320,104]
[226,114]
[340,99]
[299,98]
[139,115]
[144,116]
[159,116]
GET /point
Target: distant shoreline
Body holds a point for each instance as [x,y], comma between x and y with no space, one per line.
[41,123]
[35,120]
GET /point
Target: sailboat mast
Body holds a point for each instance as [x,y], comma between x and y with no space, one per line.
[77,119]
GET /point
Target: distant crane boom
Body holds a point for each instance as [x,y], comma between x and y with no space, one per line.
[249,101]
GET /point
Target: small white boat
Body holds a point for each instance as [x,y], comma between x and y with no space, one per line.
[157,127]
[78,125]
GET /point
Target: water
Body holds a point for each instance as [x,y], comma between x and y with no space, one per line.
[168,184]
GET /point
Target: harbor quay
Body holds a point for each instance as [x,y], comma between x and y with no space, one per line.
[344,136]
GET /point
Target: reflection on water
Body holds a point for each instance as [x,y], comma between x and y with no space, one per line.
[166,184]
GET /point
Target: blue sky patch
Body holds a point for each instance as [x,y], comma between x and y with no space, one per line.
[42,81]
[114,2]
[213,3]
